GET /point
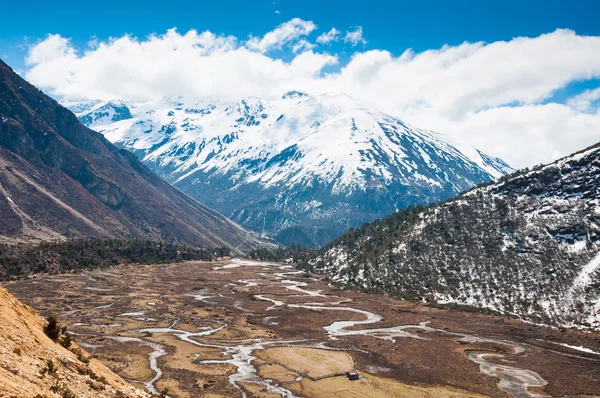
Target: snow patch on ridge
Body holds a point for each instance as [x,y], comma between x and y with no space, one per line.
[293,140]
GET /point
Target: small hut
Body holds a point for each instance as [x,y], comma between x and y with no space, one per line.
[352,375]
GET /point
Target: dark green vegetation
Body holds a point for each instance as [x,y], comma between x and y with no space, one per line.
[73,255]
[59,179]
[525,246]
[52,329]
[296,253]
[57,333]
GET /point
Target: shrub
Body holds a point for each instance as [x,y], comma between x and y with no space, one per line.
[66,341]
[76,254]
[50,368]
[52,330]
[57,333]
[99,379]
[80,354]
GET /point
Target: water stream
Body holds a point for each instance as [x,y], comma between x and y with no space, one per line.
[512,380]
[241,357]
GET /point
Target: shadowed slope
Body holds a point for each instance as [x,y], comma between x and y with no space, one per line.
[61,179]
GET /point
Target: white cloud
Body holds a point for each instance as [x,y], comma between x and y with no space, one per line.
[523,135]
[496,96]
[54,47]
[584,101]
[309,64]
[355,37]
[285,33]
[302,45]
[328,37]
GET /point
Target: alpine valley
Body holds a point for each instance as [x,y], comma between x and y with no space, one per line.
[301,169]
[140,274]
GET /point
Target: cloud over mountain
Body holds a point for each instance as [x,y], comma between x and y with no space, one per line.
[499,96]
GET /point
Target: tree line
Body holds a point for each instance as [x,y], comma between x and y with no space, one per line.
[71,255]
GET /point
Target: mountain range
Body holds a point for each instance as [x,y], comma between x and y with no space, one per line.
[302,169]
[59,179]
[527,246]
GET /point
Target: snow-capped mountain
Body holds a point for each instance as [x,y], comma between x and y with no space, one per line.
[528,245]
[302,168]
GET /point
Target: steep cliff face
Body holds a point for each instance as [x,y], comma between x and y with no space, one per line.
[61,179]
[527,246]
[25,370]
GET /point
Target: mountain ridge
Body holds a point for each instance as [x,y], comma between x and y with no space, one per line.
[525,246]
[282,167]
[59,179]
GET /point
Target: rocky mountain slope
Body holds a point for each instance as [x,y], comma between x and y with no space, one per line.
[527,245]
[302,168]
[32,365]
[60,179]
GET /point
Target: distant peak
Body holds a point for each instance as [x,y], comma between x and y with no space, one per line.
[294,94]
[338,95]
[253,99]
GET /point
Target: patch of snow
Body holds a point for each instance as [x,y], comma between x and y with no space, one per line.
[579,348]
[128,314]
[583,279]
[330,138]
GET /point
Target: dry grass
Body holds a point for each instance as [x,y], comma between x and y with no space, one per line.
[277,372]
[258,391]
[309,362]
[372,387]
[172,386]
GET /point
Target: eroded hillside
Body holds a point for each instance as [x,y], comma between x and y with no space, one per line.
[59,179]
[32,365]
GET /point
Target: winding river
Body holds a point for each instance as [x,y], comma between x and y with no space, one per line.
[512,380]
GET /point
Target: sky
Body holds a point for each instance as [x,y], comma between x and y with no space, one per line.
[516,79]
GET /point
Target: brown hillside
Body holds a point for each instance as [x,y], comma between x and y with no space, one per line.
[59,179]
[24,354]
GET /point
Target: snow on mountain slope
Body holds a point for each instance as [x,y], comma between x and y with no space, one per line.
[528,245]
[304,168]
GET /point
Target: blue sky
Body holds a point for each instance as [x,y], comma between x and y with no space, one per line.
[518,79]
[393,25]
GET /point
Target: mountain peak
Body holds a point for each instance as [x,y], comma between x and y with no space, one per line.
[306,154]
[294,94]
